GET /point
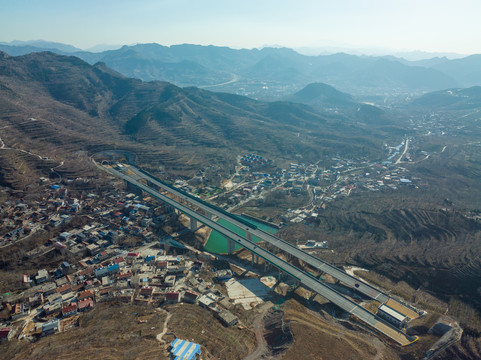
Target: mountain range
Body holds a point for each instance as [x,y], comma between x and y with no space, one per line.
[83,107]
[273,73]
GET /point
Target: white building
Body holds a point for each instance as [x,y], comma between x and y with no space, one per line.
[51,326]
[392,316]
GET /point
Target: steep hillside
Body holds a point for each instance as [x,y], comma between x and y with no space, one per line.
[426,236]
[80,107]
[330,101]
[451,99]
[321,95]
[467,70]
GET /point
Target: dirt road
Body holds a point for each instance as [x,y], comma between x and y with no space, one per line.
[261,351]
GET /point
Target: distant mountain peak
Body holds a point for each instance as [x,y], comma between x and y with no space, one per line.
[44,45]
[319,89]
[279,70]
[321,94]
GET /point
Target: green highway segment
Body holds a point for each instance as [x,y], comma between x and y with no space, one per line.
[303,277]
[253,230]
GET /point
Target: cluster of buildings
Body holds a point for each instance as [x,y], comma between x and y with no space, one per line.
[110,217]
[104,270]
[23,217]
[254,160]
[147,277]
[252,185]
[322,185]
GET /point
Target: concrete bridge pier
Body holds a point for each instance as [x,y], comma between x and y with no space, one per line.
[169,208]
[193,224]
[230,246]
[133,188]
[266,266]
[279,275]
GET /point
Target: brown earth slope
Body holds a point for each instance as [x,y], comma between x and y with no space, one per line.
[79,107]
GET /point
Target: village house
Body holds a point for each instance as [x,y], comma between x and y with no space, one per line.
[64,289]
[172,297]
[51,327]
[85,305]
[227,318]
[4,332]
[146,292]
[48,289]
[69,310]
[190,296]
[86,294]
[42,276]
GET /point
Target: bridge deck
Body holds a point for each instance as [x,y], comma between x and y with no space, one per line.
[306,279]
[396,335]
[313,261]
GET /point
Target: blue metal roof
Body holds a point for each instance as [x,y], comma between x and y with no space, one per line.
[184,350]
[101,271]
[113,267]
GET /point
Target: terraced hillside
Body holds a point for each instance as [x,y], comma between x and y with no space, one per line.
[78,107]
[468,348]
[429,246]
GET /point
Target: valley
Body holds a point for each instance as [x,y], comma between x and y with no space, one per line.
[392,188]
[276,73]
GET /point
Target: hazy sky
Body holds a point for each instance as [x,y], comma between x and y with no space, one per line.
[428,25]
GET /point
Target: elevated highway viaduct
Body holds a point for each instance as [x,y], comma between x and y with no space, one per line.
[306,279]
[292,250]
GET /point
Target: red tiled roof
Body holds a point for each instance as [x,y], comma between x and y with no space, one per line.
[4,333]
[69,308]
[85,303]
[118,259]
[191,294]
[87,271]
[64,288]
[125,275]
[172,295]
[105,291]
[85,294]
[146,291]
[77,287]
